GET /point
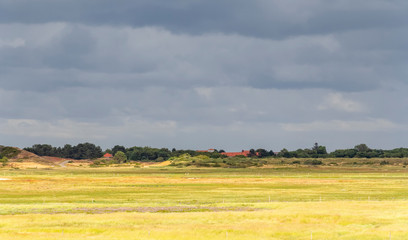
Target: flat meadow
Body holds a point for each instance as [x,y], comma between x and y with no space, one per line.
[274,202]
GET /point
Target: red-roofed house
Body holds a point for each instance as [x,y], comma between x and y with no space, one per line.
[233,154]
[108,155]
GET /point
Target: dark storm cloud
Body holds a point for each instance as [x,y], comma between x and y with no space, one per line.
[342,45]
[237,73]
[135,58]
[260,18]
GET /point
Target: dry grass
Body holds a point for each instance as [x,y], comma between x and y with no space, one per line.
[27,165]
[169,203]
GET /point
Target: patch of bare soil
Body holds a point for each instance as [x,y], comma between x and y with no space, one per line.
[28,165]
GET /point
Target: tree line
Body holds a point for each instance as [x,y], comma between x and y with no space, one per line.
[148,154]
[359,151]
[91,151]
[80,151]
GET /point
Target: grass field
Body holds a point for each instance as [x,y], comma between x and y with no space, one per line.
[282,202]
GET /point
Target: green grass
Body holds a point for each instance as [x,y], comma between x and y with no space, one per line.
[283,202]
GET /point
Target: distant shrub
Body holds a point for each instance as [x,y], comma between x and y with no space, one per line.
[313,162]
[96,163]
[202,164]
[4,161]
[296,162]
[384,162]
[9,152]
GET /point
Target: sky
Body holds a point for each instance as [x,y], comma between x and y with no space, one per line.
[199,74]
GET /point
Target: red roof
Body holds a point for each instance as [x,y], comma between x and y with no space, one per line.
[108,155]
[233,154]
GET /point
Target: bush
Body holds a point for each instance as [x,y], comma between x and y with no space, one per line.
[96,163]
[4,161]
[120,157]
[8,152]
[296,162]
[383,162]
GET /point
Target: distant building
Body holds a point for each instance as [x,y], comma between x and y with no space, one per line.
[233,154]
[108,155]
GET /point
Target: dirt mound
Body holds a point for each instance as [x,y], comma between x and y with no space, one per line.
[26,155]
[20,158]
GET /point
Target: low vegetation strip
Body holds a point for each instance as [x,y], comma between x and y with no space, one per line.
[102,210]
[120,154]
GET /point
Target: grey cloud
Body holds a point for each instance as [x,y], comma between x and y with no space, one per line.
[251,117]
[70,49]
[129,58]
[262,18]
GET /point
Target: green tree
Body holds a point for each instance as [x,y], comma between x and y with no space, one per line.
[118,148]
[252,153]
[262,153]
[284,153]
[120,157]
[362,148]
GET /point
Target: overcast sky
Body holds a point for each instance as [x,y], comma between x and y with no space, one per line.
[199,74]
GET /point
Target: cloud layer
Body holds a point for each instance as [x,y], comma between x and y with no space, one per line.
[198,74]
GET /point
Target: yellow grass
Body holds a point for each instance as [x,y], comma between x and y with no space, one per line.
[328,220]
[168,203]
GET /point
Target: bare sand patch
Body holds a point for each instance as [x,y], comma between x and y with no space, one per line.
[153,164]
[25,165]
